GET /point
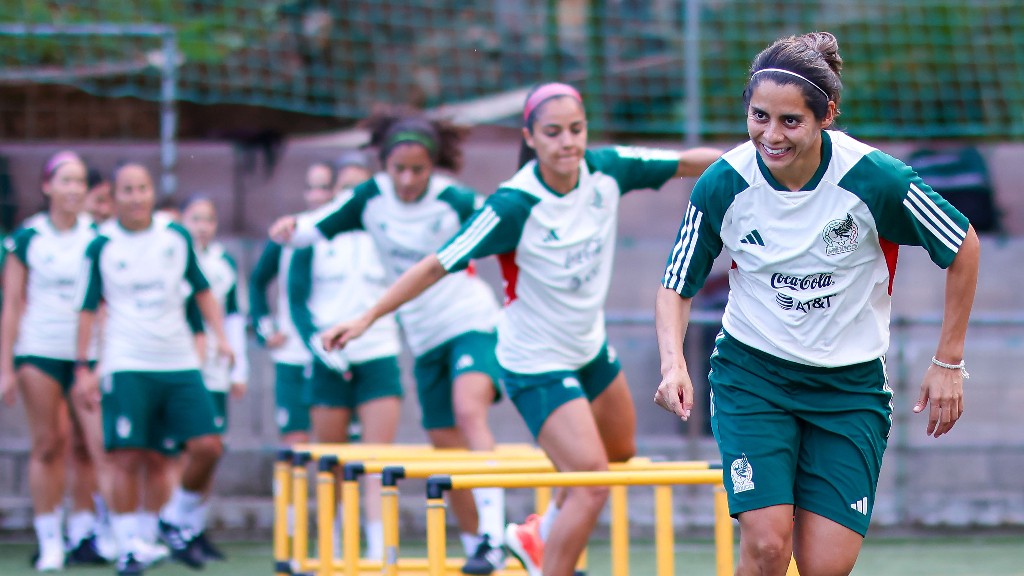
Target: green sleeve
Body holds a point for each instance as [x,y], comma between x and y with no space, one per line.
[635,168]
[90,287]
[494,229]
[19,242]
[231,298]
[464,201]
[262,275]
[300,286]
[194,316]
[193,275]
[906,210]
[699,239]
[348,216]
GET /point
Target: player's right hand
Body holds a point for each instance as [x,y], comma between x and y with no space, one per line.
[675,393]
[8,387]
[282,229]
[86,388]
[337,336]
[275,340]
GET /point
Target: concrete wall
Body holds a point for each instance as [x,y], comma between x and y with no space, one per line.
[973,476]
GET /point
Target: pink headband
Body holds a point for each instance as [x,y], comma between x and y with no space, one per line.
[545,92]
[58,160]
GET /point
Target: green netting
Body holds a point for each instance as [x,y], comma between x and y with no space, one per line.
[915,68]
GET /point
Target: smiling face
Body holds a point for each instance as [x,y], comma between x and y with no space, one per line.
[785,132]
[66,187]
[559,137]
[134,197]
[409,166]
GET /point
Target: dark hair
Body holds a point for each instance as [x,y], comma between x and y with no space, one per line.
[390,127]
[195,198]
[815,56]
[94,177]
[122,164]
[525,152]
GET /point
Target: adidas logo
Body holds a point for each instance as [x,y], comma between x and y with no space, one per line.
[551,236]
[861,506]
[752,237]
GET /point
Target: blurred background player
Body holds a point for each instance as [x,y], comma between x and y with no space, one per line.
[554,226]
[144,269]
[37,356]
[410,209]
[99,203]
[327,281]
[199,217]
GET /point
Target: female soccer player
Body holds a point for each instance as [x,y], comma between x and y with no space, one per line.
[292,359]
[143,269]
[199,217]
[812,220]
[37,355]
[410,210]
[553,225]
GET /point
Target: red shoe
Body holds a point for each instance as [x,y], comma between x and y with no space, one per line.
[523,541]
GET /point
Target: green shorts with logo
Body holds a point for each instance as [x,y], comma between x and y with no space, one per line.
[62,371]
[365,381]
[536,396]
[437,369]
[155,410]
[799,435]
[290,383]
[220,411]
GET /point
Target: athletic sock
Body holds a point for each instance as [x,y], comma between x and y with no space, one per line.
[81,525]
[148,526]
[470,542]
[48,530]
[490,506]
[181,504]
[548,520]
[374,539]
[126,531]
[195,520]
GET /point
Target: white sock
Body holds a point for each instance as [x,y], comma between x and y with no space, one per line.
[126,531]
[196,519]
[490,507]
[374,539]
[470,542]
[548,520]
[81,525]
[48,530]
[102,511]
[147,524]
[181,504]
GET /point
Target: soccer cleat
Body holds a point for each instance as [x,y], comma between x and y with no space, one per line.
[129,565]
[486,559]
[183,545]
[150,554]
[524,542]
[86,553]
[210,552]
[49,559]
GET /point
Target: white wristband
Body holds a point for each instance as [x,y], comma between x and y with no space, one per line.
[962,367]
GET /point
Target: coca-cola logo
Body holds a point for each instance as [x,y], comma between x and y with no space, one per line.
[800,283]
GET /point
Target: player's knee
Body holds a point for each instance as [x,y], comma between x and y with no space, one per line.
[50,448]
[205,448]
[621,450]
[767,550]
[592,497]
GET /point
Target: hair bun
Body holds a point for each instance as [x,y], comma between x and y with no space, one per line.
[825,44]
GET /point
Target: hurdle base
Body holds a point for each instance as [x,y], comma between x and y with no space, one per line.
[283,568]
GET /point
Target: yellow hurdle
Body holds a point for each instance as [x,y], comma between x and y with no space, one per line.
[437,485]
[283,513]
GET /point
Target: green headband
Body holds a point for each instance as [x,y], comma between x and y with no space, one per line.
[412,136]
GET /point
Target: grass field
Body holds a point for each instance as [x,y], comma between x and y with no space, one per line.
[931,556]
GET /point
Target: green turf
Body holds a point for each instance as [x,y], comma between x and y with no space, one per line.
[931,556]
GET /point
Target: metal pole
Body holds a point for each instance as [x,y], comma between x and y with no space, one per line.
[168,114]
[692,59]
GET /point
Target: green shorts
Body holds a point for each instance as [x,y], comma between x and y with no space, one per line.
[62,371]
[800,435]
[437,369]
[378,378]
[290,381]
[220,411]
[536,396]
[155,410]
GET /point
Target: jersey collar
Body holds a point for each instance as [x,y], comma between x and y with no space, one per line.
[826,158]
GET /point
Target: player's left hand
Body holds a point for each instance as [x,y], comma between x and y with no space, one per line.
[943,389]
[224,351]
[238,389]
[675,393]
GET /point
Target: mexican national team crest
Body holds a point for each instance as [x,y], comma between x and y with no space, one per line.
[742,475]
[840,236]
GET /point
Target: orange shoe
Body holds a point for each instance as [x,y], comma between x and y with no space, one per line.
[523,541]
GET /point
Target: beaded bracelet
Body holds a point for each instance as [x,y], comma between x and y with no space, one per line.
[962,367]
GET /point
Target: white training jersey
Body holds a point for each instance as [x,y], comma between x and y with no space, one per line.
[145,278]
[53,259]
[811,279]
[556,253]
[404,233]
[221,272]
[336,280]
[274,262]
